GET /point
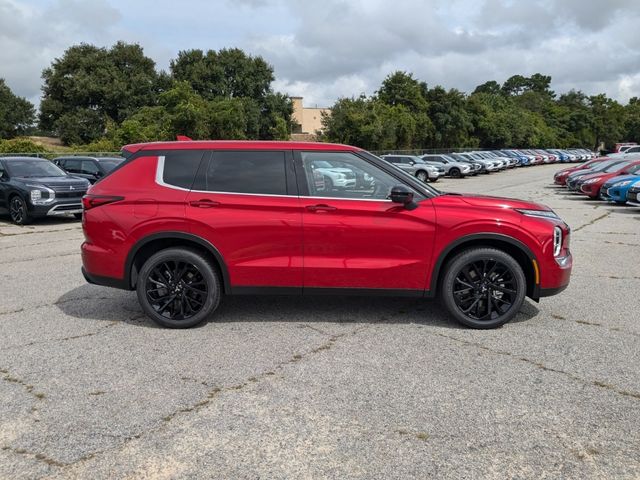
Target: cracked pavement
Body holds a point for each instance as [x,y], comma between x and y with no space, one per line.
[278,387]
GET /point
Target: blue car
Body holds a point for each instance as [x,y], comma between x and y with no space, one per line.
[562,155]
[616,189]
[523,160]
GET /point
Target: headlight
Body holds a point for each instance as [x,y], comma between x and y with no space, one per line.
[35,195]
[539,213]
[557,241]
[341,176]
[41,195]
[591,180]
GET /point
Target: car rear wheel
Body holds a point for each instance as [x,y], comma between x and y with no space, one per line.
[422,176]
[455,172]
[483,288]
[18,211]
[178,288]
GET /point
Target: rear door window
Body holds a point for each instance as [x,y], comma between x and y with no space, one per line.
[72,166]
[252,172]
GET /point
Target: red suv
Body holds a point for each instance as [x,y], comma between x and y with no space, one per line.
[185,222]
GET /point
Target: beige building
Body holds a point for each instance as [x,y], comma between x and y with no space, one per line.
[307,120]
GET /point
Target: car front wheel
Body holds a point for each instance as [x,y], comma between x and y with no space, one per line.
[455,173]
[18,211]
[422,176]
[178,288]
[483,288]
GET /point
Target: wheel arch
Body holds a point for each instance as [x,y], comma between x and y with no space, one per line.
[151,244]
[518,250]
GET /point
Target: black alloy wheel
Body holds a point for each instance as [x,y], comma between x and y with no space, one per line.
[455,173]
[483,288]
[178,288]
[18,211]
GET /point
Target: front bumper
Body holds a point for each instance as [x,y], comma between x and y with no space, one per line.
[56,208]
[633,196]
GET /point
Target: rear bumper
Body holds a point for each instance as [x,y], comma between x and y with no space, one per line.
[105,281]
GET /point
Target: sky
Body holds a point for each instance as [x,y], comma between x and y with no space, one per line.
[324,50]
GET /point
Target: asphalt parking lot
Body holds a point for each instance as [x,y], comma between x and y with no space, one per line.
[278,387]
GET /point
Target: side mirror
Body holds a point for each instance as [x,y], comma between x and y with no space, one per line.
[401,194]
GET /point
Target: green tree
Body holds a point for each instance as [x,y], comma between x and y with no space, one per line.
[608,120]
[451,121]
[16,113]
[632,121]
[88,86]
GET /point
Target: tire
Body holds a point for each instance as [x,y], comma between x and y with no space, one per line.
[328,183]
[455,173]
[476,268]
[78,216]
[185,275]
[433,180]
[422,176]
[18,211]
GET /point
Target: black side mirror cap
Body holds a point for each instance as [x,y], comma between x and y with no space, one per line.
[401,194]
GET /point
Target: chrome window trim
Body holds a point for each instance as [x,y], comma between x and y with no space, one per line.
[160,181]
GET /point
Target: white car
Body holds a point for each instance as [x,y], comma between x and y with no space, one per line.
[334,177]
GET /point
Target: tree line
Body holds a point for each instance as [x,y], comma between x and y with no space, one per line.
[101,98]
[405,113]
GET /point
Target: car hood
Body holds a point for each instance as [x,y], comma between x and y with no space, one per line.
[486,201]
[54,181]
[622,178]
[598,175]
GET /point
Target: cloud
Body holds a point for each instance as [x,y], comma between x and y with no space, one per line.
[324,50]
[31,37]
[456,43]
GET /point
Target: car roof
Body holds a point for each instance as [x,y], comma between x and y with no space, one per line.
[238,145]
[23,158]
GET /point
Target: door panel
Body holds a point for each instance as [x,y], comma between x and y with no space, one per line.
[259,234]
[367,244]
[353,236]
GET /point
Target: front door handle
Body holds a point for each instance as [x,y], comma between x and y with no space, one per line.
[321,208]
[204,203]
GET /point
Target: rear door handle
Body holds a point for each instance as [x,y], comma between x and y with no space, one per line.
[321,208]
[204,203]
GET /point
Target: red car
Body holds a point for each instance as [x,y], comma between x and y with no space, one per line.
[185,223]
[560,177]
[590,185]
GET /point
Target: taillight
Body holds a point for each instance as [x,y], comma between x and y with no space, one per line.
[93,201]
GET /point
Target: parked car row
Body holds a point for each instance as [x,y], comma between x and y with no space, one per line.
[430,167]
[614,179]
[35,187]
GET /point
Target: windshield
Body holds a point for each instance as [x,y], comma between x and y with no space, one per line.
[615,167]
[110,164]
[33,168]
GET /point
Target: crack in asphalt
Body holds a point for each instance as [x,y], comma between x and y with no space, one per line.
[542,366]
[39,232]
[595,324]
[22,260]
[592,222]
[8,377]
[56,303]
[217,391]
[37,456]
[65,240]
